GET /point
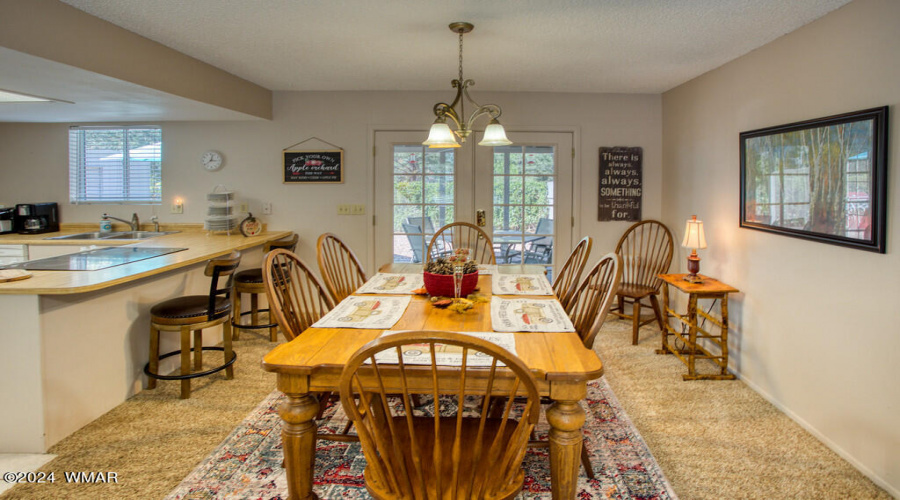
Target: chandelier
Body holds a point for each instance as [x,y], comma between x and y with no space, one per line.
[441,136]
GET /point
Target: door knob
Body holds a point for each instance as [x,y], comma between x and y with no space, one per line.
[479,218]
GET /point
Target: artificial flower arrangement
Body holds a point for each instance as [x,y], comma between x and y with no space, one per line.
[451,280]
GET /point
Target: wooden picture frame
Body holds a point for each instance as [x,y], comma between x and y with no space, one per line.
[823,180]
[314,166]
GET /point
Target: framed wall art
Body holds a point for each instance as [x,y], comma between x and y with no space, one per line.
[621,184]
[823,180]
[314,166]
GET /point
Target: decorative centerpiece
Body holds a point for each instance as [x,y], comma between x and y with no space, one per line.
[454,276]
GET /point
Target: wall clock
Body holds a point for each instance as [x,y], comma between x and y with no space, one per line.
[211,160]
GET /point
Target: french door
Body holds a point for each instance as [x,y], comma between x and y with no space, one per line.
[521,195]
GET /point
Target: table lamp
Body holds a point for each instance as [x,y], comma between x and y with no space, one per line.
[693,239]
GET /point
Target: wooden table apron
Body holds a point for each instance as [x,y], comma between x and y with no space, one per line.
[314,360]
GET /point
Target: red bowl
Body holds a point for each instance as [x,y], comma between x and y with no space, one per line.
[441,285]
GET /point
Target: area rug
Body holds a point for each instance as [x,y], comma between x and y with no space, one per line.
[248,463]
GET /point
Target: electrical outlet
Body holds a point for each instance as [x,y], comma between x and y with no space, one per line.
[245,208]
[343,209]
[267,208]
[358,209]
[178,207]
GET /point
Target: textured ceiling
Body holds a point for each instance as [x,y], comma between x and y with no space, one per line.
[633,46]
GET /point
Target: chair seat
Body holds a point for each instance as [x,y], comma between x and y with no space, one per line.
[188,309]
[249,276]
[424,432]
[635,291]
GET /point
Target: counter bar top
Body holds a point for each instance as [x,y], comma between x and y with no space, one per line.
[201,246]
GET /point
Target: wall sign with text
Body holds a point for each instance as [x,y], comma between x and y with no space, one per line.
[314,166]
[621,184]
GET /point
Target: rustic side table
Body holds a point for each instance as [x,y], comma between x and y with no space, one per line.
[707,288]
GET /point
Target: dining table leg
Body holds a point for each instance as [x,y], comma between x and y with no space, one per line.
[299,443]
[566,419]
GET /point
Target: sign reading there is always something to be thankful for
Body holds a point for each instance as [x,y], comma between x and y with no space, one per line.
[314,166]
[621,184]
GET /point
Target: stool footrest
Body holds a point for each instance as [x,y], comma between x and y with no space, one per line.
[252,327]
[190,375]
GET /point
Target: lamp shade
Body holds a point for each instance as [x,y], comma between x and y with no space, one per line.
[495,135]
[693,234]
[441,136]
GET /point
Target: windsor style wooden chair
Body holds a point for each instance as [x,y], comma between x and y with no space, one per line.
[340,268]
[411,455]
[587,310]
[298,299]
[646,250]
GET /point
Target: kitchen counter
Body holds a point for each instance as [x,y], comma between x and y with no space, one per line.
[201,246]
[73,344]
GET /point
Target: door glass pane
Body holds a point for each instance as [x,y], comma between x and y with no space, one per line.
[423,199]
[407,189]
[508,160]
[524,186]
[439,162]
[508,189]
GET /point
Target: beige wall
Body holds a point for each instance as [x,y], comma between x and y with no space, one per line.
[33,157]
[816,325]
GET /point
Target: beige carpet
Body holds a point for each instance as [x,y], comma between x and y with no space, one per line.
[713,439]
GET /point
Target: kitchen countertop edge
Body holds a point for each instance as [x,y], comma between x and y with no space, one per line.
[72,282]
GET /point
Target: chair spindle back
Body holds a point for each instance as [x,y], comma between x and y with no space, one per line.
[568,278]
[339,266]
[447,454]
[296,297]
[591,302]
[458,235]
[646,250]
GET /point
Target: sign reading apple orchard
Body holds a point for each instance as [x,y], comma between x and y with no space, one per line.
[621,184]
[313,166]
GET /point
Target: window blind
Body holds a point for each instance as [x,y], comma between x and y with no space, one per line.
[115,164]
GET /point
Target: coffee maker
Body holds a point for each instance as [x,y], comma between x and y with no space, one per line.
[33,218]
[7,219]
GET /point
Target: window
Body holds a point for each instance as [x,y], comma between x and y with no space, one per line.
[115,164]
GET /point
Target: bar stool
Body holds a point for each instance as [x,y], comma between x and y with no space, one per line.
[195,312]
[251,281]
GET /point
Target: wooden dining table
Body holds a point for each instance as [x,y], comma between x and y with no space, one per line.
[312,363]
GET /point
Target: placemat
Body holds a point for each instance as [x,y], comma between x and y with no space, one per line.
[370,311]
[487,268]
[394,283]
[521,284]
[528,315]
[420,354]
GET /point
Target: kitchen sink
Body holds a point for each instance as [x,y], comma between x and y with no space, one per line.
[136,235]
[117,235]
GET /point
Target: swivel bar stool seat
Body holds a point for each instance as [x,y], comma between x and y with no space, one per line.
[195,312]
[251,281]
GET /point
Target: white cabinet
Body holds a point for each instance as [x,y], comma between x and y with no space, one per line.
[13,254]
[44,251]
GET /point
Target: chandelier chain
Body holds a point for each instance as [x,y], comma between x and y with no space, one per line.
[460,57]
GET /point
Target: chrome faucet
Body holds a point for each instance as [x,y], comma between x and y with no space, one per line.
[155,221]
[135,223]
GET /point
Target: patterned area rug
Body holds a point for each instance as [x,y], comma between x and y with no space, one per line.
[248,463]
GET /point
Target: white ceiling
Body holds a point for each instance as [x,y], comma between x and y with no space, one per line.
[631,46]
